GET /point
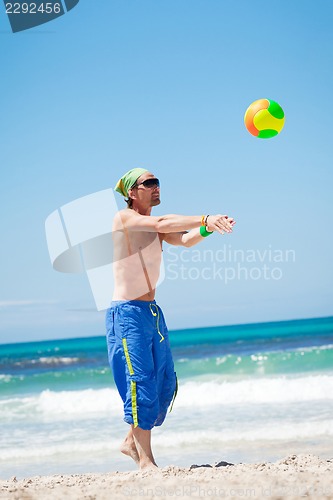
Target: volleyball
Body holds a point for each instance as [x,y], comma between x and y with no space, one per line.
[264,118]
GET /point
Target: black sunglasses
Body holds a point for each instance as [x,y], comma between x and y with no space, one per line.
[149,183]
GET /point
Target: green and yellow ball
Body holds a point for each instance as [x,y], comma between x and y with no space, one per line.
[264,118]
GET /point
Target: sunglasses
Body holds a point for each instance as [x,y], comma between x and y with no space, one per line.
[149,183]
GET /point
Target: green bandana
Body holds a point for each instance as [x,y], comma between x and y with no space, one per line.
[128,179]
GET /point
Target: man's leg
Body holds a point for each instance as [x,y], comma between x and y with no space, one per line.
[142,441]
[128,447]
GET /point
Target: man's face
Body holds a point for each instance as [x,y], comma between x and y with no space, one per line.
[147,194]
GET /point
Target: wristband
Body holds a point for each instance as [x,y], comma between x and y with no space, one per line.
[206,219]
[203,220]
[204,233]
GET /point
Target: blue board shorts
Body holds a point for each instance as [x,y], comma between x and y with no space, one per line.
[141,361]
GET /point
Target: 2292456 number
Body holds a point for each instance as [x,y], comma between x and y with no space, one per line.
[32,8]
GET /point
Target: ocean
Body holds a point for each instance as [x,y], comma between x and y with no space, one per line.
[247,393]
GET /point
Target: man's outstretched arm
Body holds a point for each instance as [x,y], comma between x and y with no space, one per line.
[191,238]
[173,223]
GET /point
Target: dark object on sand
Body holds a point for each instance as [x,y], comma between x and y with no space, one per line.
[222,464]
[195,466]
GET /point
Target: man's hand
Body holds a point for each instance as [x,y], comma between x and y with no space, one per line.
[220,223]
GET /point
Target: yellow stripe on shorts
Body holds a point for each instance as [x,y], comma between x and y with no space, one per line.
[134,406]
[128,360]
[133,384]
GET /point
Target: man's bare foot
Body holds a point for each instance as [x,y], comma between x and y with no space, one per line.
[128,448]
[149,466]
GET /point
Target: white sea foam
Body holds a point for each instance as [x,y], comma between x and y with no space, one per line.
[63,448]
[208,414]
[91,442]
[261,390]
[48,360]
[85,402]
[89,403]
[194,394]
[54,360]
[325,347]
[278,431]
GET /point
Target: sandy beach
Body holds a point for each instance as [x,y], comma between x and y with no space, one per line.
[294,476]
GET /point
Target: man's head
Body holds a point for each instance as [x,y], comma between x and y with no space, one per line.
[140,187]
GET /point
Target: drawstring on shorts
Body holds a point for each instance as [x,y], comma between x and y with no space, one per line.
[157,320]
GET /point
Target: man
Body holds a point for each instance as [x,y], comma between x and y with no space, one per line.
[137,336]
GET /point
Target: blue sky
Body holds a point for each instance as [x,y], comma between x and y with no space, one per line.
[113,85]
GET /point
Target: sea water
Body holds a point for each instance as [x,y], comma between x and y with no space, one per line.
[246,393]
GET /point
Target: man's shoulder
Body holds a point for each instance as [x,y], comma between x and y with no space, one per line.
[122,216]
[126,213]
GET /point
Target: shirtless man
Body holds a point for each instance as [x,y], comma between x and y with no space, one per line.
[137,336]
